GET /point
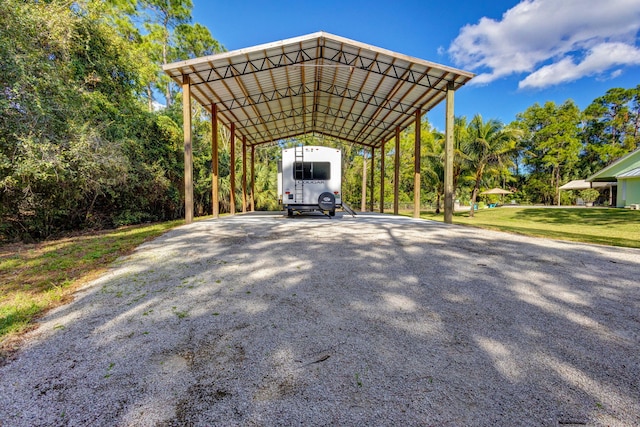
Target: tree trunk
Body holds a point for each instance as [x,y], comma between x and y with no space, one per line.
[474,195]
[150,97]
[557,184]
[476,187]
[168,95]
[164,62]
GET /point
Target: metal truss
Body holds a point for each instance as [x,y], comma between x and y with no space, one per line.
[322,125]
[326,88]
[317,83]
[307,57]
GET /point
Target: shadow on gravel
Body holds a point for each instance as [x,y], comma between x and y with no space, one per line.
[374,320]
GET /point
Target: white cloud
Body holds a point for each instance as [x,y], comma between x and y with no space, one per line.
[158,106]
[599,59]
[616,73]
[552,41]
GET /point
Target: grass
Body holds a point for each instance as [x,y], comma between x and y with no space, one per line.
[614,227]
[37,277]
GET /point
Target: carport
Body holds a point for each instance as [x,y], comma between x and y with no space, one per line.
[319,83]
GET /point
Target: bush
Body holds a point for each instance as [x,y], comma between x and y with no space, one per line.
[589,195]
[130,217]
[567,198]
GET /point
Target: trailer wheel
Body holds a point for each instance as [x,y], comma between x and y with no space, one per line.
[289,213]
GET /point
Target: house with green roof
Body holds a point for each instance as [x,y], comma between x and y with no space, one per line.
[626,172]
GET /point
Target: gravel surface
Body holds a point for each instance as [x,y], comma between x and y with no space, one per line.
[261,320]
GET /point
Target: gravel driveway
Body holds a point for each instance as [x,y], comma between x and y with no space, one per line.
[261,320]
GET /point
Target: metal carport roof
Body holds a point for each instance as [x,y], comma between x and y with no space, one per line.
[318,83]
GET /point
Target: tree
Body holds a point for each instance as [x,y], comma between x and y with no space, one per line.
[436,158]
[118,14]
[552,143]
[162,17]
[434,169]
[612,127]
[76,147]
[192,41]
[488,146]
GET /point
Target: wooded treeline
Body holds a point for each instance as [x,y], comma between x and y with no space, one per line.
[82,144]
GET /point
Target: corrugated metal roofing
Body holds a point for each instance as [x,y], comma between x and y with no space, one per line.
[628,161]
[319,83]
[632,173]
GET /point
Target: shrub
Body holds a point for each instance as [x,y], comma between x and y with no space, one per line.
[589,195]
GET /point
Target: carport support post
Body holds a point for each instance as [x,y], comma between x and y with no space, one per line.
[232,171]
[372,181]
[363,200]
[188,150]
[382,155]
[396,173]
[416,173]
[448,158]
[253,178]
[214,162]
[244,174]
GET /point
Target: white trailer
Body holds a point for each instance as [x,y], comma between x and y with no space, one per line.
[310,179]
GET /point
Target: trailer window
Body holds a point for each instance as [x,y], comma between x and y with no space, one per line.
[313,171]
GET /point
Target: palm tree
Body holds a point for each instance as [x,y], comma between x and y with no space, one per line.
[435,158]
[489,145]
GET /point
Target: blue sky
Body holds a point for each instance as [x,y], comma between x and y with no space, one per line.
[523,52]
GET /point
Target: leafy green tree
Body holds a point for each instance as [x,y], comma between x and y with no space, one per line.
[119,14]
[192,41]
[612,127]
[551,143]
[39,99]
[162,17]
[433,167]
[170,37]
[435,160]
[266,197]
[76,147]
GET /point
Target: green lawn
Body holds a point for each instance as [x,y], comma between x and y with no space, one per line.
[615,227]
[37,277]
